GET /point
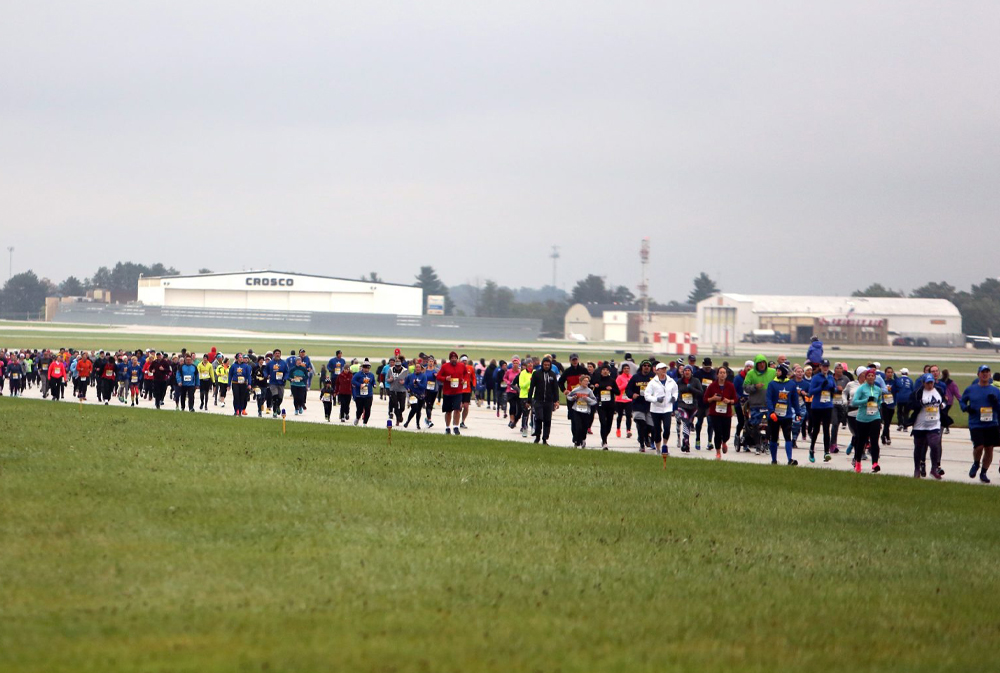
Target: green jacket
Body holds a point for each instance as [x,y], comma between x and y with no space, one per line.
[755,382]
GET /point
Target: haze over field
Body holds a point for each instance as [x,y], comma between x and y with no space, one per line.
[474,137]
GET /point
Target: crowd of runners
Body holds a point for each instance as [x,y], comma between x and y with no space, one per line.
[776,404]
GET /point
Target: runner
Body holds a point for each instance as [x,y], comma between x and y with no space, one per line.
[580,399]
[523,388]
[543,394]
[327,395]
[707,377]
[924,409]
[640,407]
[512,391]
[888,404]
[802,386]
[822,391]
[395,381]
[240,378]
[623,403]
[782,401]
[868,398]
[298,377]
[206,380]
[432,388]
[661,393]
[260,386]
[135,375]
[721,397]
[755,387]
[852,410]
[363,391]
[981,401]
[84,368]
[276,379]
[606,390]
[450,377]
[187,383]
[416,387]
[468,385]
[902,390]
[742,398]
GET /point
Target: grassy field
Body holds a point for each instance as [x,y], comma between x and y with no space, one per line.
[140,540]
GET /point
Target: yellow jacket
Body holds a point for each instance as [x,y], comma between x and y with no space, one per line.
[222,374]
[205,371]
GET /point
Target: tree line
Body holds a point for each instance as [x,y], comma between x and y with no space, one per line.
[980,306]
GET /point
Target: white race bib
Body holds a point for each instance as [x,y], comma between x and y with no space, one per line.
[187,378]
[780,410]
[824,397]
[888,398]
[687,398]
[722,407]
[15,376]
[364,388]
[336,371]
[931,413]
[431,385]
[581,404]
[241,379]
[872,409]
[605,396]
[135,379]
[413,399]
[278,376]
[327,397]
[452,382]
[986,414]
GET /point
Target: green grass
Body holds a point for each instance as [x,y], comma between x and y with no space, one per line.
[141,540]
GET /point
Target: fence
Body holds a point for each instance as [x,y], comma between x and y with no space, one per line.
[449,328]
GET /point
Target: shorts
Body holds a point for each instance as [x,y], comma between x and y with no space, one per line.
[451,403]
[985,436]
[466,398]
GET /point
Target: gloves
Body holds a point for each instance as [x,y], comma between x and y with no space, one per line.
[774,417]
[659,400]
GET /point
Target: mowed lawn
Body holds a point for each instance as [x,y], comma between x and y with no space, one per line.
[162,541]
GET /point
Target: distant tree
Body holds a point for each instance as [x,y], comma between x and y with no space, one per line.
[876,290]
[157,270]
[495,301]
[591,290]
[372,277]
[123,280]
[621,295]
[72,287]
[428,281]
[940,290]
[704,287]
[23,295]
[201,271]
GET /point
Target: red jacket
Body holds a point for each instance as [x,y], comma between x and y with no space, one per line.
[57,370]
[342,384]
[451,377]
[728,393]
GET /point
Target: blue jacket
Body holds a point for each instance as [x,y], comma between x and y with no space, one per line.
[121,371]
[902,389]
[135,371]
[782,392]
[416,384]
[360,378]
[815,352]
[187,376]
[738,384]
[277,373]
[332,365]
[818,385]
[977,400]
[238,370]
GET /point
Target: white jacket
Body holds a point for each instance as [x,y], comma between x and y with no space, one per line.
[655,389]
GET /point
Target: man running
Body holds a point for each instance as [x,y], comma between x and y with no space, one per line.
[450,377]
[543,394]
[981,401]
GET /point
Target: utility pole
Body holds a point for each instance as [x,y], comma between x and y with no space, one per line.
[644,291]
[555,257]
[10,261]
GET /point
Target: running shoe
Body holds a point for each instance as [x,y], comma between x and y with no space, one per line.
[604,447]
[923,469]
[876,468]
[628,434]
[936,473]
[642,449]
[456,431]
[827,457]
[792,462]
[983,478]
[447,431]
[857,466]
[618,433]
[972,472]
[463,426]
[710,446]
[812,457]
[850,447]
[697,445]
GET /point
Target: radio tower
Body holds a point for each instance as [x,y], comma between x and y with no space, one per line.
[555,257]
[644,291]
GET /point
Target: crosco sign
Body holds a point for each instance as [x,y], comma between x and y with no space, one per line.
[256,281]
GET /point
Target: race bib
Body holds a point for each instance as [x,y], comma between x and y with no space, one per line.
[336,371]
[135,379]
[413,399]
[278,376]
[888,398]
[241,379]
[453,382]
[431,385]
[45,368]
[872,408]
[781,409]
[642,386]
[15,376]
[706,382]
[327,397]
[986,414]
[364,388]
[296,379]
[687,398]
[605,396]
[722,407]
[931,414]
[824,397]
[581,404]
[187,378]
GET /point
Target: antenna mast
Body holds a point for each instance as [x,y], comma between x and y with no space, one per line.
[644,291]
[555,257]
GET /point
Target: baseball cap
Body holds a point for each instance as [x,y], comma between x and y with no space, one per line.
[662,365]
[574,356]
[904,370]
[825,363]
[984,368]
[707,362]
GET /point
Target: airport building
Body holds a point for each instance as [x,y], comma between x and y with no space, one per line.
[729,318]
[280,291]
[621,322]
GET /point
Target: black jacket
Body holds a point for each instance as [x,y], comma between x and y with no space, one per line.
[544,387]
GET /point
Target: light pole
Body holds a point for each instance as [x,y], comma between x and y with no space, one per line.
[10,261]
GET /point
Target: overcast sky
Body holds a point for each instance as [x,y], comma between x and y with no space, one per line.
[338,138]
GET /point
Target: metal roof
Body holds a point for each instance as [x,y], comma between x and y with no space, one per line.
[820,306]
[275,271]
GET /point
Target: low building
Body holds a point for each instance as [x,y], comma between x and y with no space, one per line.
[623,322]
[280,291]
[728,318]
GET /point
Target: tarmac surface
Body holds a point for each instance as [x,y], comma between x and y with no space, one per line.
[896,459]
